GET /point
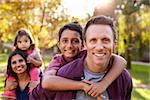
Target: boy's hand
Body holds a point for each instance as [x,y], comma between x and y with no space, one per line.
[96,88]
[86,87]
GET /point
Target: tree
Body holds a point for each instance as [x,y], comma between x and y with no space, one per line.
[41,17]
[130,29]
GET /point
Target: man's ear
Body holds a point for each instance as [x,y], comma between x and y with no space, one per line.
[115,46]
[58,45]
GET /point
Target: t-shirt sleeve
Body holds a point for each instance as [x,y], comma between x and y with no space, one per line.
[82,53]
[72,70]
[38,93]
[56,63]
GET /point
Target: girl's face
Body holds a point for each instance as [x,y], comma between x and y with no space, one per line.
[23,42]
[18,64]
[70,44]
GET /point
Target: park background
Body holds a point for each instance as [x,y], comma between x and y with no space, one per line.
[44,18]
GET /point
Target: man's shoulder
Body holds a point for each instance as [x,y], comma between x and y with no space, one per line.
[72,65]
[126,73]
[125,76]
[72,69]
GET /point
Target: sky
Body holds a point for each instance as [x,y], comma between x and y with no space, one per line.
[80,8]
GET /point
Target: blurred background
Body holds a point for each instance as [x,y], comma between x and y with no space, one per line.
[44,18]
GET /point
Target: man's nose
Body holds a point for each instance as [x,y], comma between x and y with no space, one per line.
[99,45]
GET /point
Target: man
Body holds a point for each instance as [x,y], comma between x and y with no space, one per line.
[99,40]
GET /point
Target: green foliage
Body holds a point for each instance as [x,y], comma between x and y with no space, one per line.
[134,31]
[3,61]
[42,17]
[1,83]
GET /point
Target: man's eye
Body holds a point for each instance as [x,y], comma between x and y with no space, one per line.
[26,41]
[14,62]
[93,40]
[106,40]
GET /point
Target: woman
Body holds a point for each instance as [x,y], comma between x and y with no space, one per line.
[18,68]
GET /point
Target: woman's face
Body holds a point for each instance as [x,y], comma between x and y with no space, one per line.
[18,64]
[70,44]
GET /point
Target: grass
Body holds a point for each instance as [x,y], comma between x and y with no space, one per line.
[140,94]
[140,75]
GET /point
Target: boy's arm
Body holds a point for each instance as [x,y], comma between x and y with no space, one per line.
[65,79]
[116,69]
[51,72]
[58,83]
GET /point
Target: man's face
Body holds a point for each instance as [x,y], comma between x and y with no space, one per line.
[70,44]
[99,44]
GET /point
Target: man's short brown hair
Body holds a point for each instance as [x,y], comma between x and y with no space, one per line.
[104,20]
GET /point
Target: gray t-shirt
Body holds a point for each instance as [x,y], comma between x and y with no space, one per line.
[94,77]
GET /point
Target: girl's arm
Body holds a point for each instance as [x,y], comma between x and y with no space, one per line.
[35,58]
[116,69]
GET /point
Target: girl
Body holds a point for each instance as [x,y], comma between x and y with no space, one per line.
[70,43]
[24,42]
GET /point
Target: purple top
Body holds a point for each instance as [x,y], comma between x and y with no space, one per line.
[59,61]
[120,89]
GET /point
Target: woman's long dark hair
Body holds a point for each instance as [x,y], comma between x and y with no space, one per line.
[10,72]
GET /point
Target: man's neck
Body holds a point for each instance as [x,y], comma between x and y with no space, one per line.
[94,67]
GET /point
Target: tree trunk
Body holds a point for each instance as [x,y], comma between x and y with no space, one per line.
[128,58]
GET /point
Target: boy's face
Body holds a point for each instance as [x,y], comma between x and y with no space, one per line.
[99,44]
[70,44]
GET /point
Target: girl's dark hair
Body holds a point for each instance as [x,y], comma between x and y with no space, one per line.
[10,72]
[75,26]
[104,20]
[21,33]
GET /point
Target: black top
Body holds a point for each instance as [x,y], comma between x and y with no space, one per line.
[22,95]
